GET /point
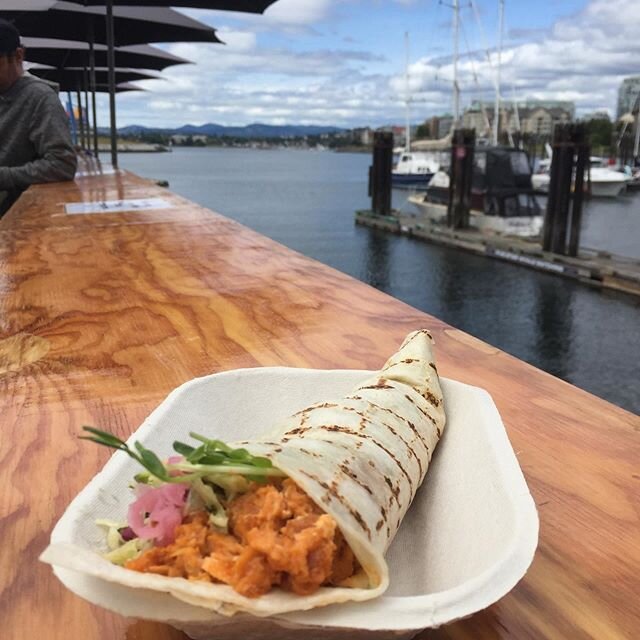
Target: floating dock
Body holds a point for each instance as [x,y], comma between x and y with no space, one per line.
[596,268]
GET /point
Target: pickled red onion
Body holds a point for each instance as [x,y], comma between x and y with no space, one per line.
[157,512]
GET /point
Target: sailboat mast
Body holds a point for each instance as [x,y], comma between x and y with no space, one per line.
[636,143]
[496,114]
[407,130]
[456,92]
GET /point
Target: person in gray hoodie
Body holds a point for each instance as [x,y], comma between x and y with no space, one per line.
[35,142]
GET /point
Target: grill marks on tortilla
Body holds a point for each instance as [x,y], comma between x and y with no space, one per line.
[313,454]
[382,520]
[324,405]
[381,384]
[428,396]
[341,445]
[356,434]
[395,364]
[300,430]
[395,491]
[305,412]
[333,493]
[345,469]
[364,420]
[420,409]
[402,419]
[397,435]
[415,335]
[365,436]
[431,399]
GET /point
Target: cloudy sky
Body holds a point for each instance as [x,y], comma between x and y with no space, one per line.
[342,62]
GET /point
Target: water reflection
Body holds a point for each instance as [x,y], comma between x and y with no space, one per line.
[376,268]
[554,327]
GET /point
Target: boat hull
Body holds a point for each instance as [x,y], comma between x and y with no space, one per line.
[411,179]
[599,188]
[540,182]
[522,226]
[607,189]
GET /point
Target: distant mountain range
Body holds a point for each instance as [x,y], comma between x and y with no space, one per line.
[217,130]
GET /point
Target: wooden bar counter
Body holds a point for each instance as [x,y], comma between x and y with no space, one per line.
[101,315]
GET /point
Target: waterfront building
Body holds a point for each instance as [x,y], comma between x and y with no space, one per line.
[540,121]
[397,131]
[627,95]
[477,118]
[445,123]
[363,135]
[536,117]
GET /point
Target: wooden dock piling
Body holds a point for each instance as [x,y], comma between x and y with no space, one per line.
[462,150]
[380,173]
[561,233]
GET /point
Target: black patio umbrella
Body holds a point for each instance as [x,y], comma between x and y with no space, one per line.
[244,6]
[133,25]
[252,6]
[66,53]
[120,88]
[77,77]
[123,87]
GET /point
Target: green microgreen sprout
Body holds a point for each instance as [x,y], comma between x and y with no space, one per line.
[210,457]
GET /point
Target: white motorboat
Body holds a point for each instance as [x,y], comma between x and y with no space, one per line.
[502,199]
[415,168]
[523,226]
[605,182]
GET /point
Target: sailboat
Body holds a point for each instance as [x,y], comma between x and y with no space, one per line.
[502,196]
[412,168]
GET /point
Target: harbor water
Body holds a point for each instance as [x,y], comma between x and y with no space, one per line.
[306,200]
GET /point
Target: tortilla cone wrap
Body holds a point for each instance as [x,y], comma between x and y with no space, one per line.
[360,458]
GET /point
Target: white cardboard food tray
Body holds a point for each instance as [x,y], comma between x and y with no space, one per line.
[468,538]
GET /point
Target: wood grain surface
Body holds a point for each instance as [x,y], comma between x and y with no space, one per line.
[101,315]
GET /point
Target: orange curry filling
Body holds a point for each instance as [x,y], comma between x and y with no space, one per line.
[277,537]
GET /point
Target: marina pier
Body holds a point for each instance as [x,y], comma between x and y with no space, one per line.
[484,203]
[596,268]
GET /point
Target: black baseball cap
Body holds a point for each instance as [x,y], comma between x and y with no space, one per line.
[9,38]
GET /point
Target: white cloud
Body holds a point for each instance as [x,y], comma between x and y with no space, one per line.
[298,12]
[581,59]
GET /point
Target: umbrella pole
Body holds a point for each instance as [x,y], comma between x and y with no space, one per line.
[111,63]
[85,86]
[92,84]
[95,121]
[72,118]
[80,116]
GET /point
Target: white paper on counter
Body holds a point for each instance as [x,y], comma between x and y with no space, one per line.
[116,206]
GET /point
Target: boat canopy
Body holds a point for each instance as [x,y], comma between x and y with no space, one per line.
[501,169]
[503,176]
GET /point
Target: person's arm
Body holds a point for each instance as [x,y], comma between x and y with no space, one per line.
[56,157]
